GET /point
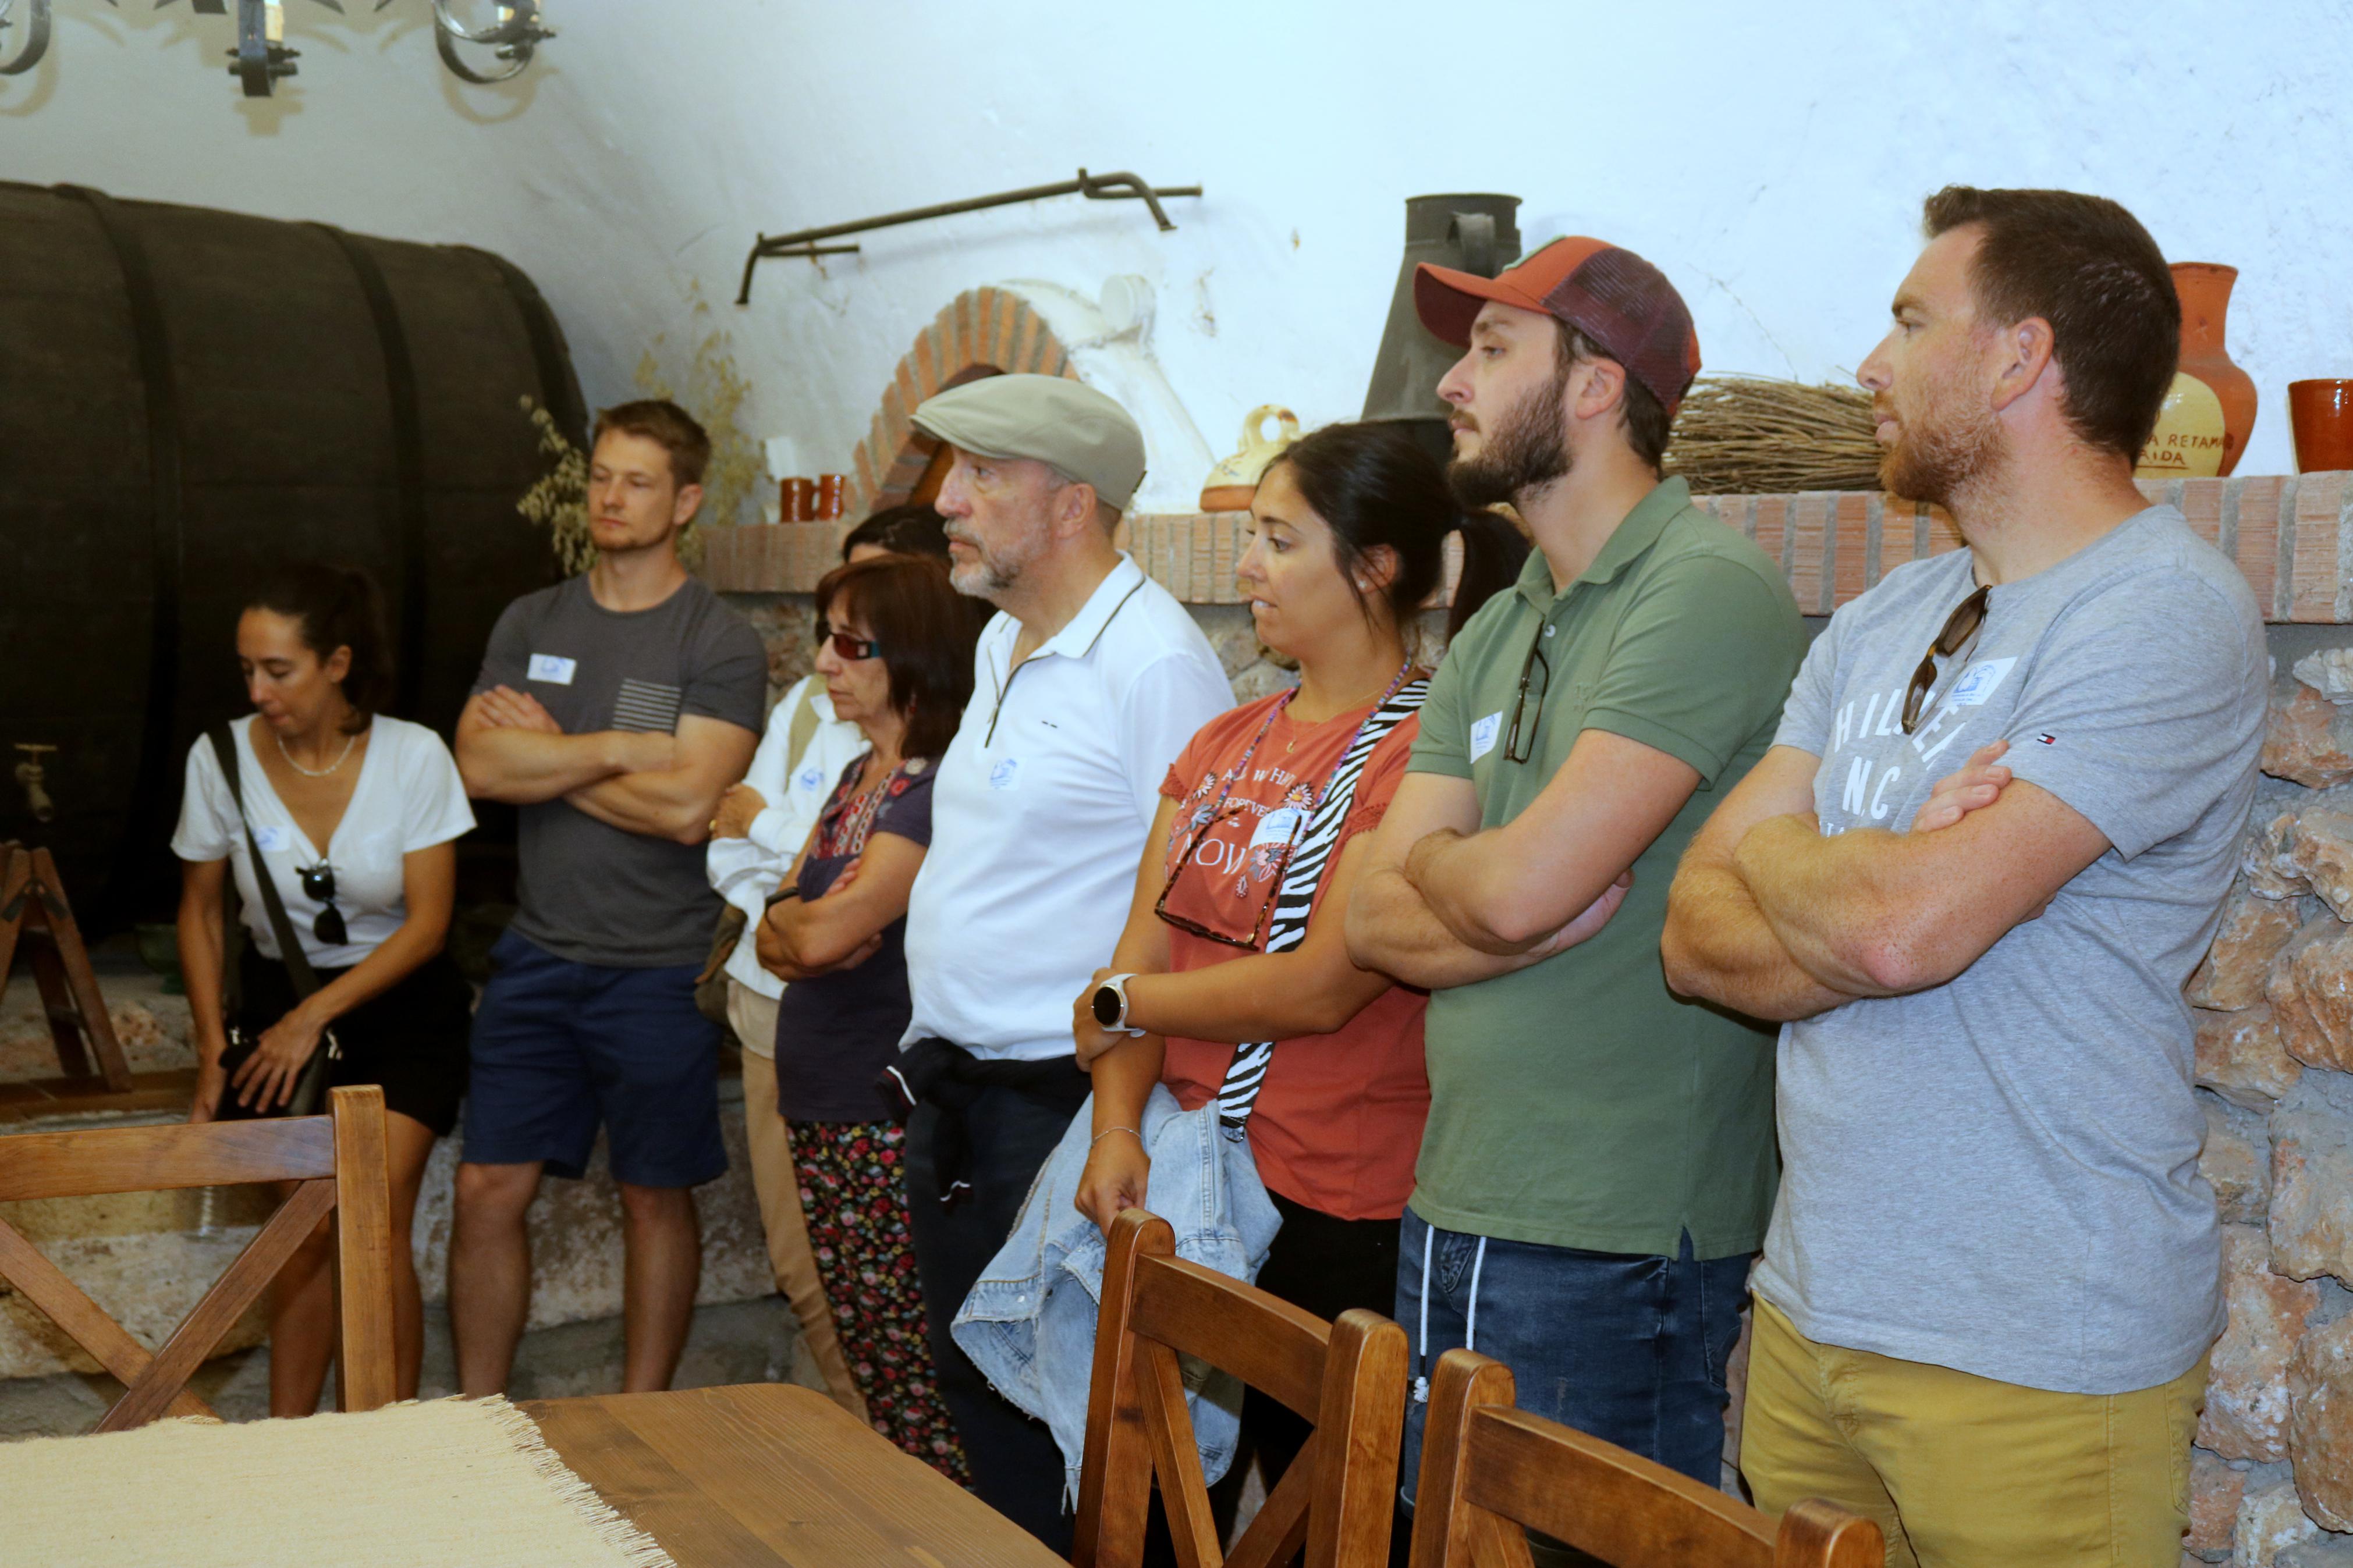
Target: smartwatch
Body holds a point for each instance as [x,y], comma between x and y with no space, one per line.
[1109,1003]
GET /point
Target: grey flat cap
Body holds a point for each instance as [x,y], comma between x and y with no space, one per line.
[1047,417]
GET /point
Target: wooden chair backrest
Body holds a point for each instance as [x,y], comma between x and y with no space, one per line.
[339,1161]
[1488,1469]
[1348,1377]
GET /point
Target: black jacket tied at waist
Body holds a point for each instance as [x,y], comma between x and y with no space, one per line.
[950,1078]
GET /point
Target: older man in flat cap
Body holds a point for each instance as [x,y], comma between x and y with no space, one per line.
[1088,682]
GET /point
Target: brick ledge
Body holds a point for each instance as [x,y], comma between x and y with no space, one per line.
[2290,534]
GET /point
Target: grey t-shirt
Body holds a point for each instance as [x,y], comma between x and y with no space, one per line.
[2001,1173]
[591,892]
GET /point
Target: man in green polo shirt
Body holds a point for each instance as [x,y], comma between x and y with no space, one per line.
[1598,1165]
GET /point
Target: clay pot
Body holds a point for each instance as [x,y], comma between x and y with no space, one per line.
[2321,415]
[1232,483]
[2205,290]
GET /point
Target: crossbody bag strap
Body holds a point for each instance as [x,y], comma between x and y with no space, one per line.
[1295,898]
[297,962]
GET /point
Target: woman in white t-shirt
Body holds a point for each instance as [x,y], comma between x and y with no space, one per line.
[355,815]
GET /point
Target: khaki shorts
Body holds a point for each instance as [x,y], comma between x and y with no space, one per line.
[1962,1471]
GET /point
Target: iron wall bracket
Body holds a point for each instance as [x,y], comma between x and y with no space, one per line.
[1094,187]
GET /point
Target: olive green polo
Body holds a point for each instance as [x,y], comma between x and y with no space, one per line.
[1579,1103]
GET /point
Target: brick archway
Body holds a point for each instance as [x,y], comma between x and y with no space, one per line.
[982,332]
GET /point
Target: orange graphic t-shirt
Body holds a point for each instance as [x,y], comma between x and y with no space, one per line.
[1338,1123]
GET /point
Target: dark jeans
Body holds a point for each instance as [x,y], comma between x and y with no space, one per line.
[1016,1466]
[1630,1349]
[1325,1265]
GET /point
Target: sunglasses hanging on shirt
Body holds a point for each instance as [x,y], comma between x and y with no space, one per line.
[1961,628]
[319,884]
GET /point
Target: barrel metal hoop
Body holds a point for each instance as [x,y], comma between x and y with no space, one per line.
[408,459]
[560,394]
[158,773]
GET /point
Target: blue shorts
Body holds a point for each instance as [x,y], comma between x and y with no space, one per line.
[560,1047]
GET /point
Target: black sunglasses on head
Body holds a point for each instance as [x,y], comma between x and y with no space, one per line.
[319,885]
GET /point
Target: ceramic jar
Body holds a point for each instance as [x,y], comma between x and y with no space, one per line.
[1232,483]
[2321,413]
[2205,290]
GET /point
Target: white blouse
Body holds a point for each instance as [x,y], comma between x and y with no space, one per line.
[408,797]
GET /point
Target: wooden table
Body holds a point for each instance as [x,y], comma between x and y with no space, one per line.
[767,1474]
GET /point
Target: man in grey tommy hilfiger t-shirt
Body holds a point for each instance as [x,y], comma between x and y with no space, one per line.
[1971,885]
[1999,1173]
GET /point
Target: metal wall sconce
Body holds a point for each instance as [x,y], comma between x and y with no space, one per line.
[262,58]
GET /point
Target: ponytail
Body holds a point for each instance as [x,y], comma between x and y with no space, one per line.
[336,606]
[1376,488]
[1493,553]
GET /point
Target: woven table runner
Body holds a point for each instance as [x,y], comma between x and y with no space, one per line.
[449,1482]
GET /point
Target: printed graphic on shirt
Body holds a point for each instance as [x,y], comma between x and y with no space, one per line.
[810,780]
[1875,766]
[1483,733]
[647,705]
[273,840]
[552,668]
[1240,858]
[1003,774]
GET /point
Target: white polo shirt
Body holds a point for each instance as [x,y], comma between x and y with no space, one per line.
[1040,815]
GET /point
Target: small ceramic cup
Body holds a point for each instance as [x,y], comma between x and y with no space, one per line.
[2321,415]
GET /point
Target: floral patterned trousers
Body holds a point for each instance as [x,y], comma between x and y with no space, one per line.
[854,1191]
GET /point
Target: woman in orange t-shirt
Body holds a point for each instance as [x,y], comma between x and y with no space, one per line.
[1347,537]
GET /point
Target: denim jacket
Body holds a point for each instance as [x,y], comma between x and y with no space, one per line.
[1030,1322]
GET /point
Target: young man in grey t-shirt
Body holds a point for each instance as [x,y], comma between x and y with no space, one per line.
[1989,845]
[613,710]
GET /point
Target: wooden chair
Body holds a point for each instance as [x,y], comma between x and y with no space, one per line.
[1348,1377]
[1487,1469]
[339,1161]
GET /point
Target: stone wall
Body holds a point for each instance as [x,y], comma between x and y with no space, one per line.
[2271,1473]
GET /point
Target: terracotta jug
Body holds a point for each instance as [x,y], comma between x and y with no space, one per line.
[2205,290]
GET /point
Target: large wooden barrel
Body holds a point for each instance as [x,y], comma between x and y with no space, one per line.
[188,397]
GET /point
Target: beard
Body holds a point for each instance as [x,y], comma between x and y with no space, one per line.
[991,573]
[1528,450]
[1951,440]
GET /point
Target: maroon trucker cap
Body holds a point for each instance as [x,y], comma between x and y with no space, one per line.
[1608,293]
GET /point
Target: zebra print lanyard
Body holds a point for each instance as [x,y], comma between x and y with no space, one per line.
[1237,1095]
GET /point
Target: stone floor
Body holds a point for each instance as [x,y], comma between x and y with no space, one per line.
[736,1341]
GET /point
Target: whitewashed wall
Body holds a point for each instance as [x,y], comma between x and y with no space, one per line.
[1771,159]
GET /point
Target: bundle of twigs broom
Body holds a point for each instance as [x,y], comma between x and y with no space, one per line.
[1745,434]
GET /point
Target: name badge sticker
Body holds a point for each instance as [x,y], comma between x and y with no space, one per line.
[1278,826]
[273,840]
[1979,683]
[552,668]
[1006,774]
[1483,734]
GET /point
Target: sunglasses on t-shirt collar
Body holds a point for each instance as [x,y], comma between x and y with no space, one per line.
[318,886]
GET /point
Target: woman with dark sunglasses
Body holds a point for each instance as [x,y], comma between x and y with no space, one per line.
[895,651]
[1228,945]
[355,814]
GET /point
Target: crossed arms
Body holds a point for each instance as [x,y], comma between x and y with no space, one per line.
[1769,918]
[665,787]
[1442,904]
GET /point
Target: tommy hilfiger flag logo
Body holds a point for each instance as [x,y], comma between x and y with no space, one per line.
[2046,740]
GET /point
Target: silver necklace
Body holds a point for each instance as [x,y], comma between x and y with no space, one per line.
[341,758]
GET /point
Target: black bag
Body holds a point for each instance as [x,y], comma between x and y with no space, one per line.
[310,1094]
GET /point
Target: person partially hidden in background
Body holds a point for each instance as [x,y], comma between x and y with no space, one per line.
[762,822]
[613,708]
[1987,1295]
